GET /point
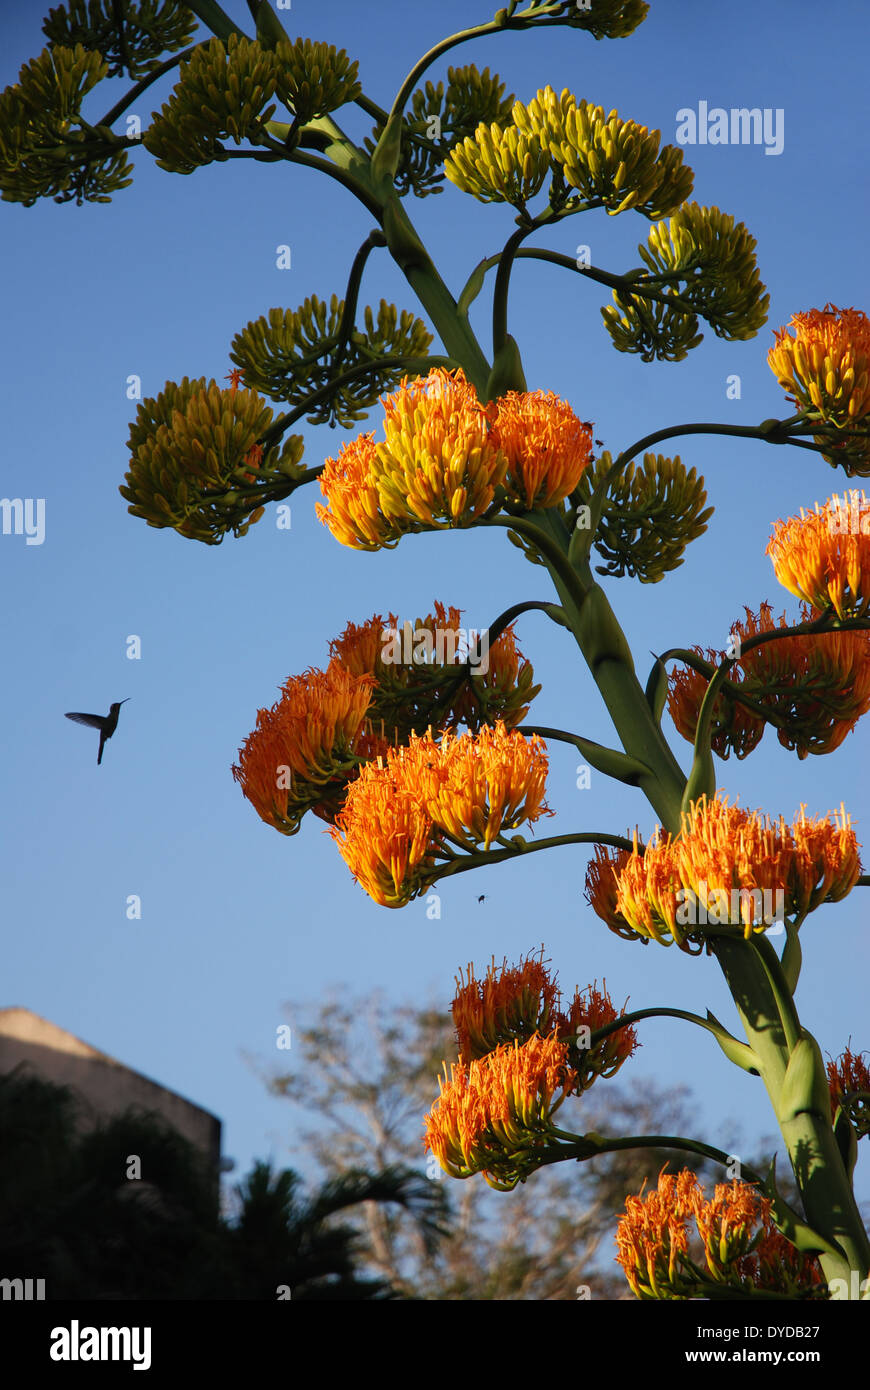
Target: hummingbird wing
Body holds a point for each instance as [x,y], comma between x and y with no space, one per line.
[93,721]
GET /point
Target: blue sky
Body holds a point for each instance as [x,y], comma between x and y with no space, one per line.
[236,919]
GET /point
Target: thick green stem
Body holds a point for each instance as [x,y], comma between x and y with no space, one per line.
[419,270]
[604,648]
[761,995]
[404,245]
[642,738]
[824,1184]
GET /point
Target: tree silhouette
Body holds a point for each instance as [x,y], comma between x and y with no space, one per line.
[71,1216]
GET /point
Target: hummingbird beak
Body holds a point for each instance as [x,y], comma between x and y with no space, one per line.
[123,702]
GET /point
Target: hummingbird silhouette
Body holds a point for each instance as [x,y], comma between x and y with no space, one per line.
[106,723]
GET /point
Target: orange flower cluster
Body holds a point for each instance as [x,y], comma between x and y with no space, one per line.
[353,512]
[825,368]
[509,1004]
[849,1085]
[305,747]
[311,744]
[467,788]
[384,835]
[438,463]
[546,446]
[602,889]
[816,686]
[444,457]
[429,684]
[495,1115]
[739,1243]
[589,1010]
[823,556]
[735,729]
[513,1003]
[482,783]
[728,868]
[652,1239]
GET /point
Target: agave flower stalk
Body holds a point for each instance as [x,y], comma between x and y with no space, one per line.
[467,444]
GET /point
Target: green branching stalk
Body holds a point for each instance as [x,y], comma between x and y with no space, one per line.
[609,761]
[642,289]
[759,983]
[605,649]
[541,535]
[337,156]
[509,20]
[518,846]
[144,83]
[591,1145]
[504,620]
[216,18]
[351,296]
[419,270]
[734,1049]
[755,977]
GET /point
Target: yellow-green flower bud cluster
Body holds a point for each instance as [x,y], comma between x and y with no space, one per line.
[130,36]
[606,19]
[716,259]
[221,93]
[499,165]
[704,261]
[438,120]
[607,160]
[651,328]
[288,354]
[315,78]
[223,90]
[651,514]
[196,462]
[42,153]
